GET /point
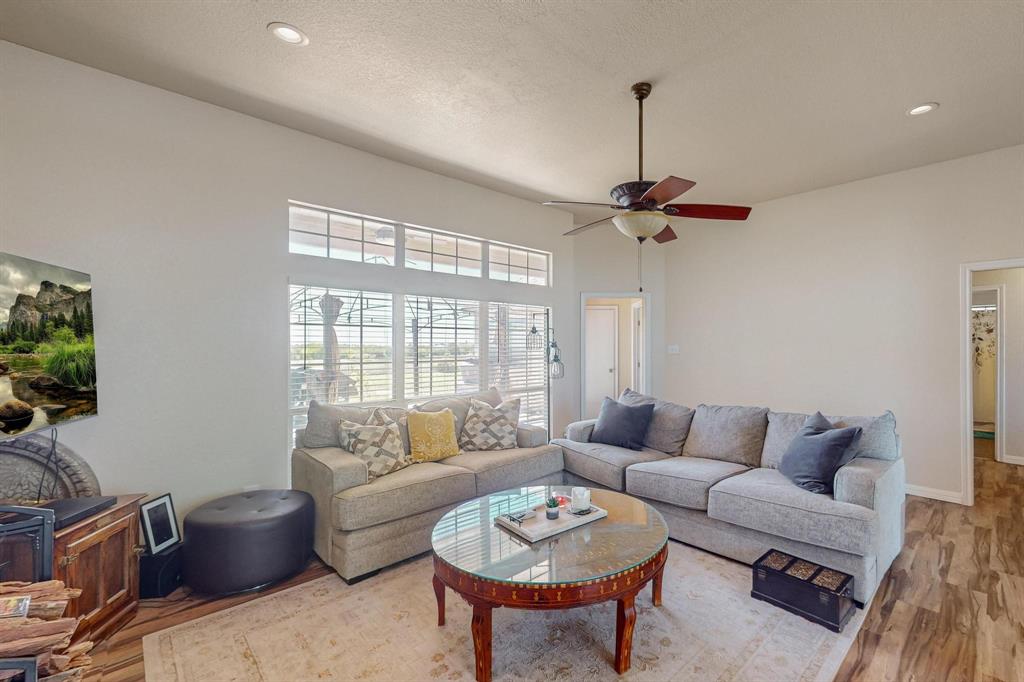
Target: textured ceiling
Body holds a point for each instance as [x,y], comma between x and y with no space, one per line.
[753,100]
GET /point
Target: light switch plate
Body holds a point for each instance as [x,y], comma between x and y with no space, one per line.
[673,349]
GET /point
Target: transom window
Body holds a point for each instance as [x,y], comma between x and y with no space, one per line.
[343,236]
[328,233]
[440,252]
[509,264]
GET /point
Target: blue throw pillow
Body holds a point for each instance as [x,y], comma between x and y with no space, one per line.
[817,452]
[622,425]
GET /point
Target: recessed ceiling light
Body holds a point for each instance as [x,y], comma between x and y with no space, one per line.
[288,33]
[925,108]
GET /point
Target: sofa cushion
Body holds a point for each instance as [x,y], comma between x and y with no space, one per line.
[763,499]
[459,405]
[782,429]
[322,423]
[603,464]
[622,425]
[669,424]
[488,427]
[878,439]
[502,469]
[414,489]
[432,435]
[682,481]
[728,433]
[817,452]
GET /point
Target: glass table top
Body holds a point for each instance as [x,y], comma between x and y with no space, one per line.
[467,538]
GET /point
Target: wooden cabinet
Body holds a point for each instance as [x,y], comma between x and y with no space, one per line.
[100,555]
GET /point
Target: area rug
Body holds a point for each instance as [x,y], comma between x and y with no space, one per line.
[385,629]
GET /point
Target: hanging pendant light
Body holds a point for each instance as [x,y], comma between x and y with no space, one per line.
[557,367]
[534,339]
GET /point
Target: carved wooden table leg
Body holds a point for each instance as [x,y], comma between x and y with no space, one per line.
[656,586]
[625,619]
[439,593]
[481,627]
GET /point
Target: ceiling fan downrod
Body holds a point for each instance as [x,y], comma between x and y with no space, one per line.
[640,92]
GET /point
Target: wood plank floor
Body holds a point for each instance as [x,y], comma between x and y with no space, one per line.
[951,608]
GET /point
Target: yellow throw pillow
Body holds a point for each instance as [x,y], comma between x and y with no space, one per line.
[432,435]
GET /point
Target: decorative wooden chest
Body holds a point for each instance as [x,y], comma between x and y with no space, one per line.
[819,594]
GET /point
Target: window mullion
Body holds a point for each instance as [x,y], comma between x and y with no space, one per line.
[483,363]
[398,313]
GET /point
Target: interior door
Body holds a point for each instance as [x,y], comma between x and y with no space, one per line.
[600,357]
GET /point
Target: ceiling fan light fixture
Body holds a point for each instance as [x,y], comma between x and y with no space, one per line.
[640,224]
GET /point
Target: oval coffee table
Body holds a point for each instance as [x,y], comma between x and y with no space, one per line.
[490,567]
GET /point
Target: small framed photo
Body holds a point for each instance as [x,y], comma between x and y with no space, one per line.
[159,524]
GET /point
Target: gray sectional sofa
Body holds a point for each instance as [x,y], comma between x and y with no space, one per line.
[722,491]
[717,486]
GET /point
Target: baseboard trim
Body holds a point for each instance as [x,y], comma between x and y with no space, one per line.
[1012,459]
[935,494]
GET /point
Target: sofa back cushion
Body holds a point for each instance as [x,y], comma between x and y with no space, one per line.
[728,433]
[459,405]
[669,424]
[322,423]
[877,440]
[782,429]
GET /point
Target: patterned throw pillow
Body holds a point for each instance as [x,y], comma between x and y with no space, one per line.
[378,444]
[490,428]
[432,435]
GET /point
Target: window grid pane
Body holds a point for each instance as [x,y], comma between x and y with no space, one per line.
[342,236]
[516,370]
[442,346]
[340,346]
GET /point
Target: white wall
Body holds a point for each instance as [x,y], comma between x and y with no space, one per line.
[846,300]
[1012,280]
[178,209]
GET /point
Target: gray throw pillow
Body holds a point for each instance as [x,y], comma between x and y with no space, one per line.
[622,425]
[669,424]
[817,452]
[728,433]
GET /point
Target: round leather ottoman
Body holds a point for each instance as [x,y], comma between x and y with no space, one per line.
[247,541]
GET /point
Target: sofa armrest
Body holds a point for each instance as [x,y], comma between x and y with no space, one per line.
[530,436]
[880,485]
[323,473]
[580,431]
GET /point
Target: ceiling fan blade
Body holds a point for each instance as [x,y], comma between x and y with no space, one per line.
[709,211]
[583,228]
[666,190]
[581,203]
[666,235]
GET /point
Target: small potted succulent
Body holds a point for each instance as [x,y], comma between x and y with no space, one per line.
[552,508]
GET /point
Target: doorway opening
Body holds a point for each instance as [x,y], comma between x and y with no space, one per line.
[614,338]
[992,375]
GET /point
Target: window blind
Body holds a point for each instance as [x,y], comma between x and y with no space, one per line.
[442,346]
[515,369]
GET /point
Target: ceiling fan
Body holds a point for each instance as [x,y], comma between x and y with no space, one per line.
[644,204]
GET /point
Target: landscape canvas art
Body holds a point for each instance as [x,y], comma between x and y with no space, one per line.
[47,353]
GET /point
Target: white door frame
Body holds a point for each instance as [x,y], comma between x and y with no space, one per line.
[648,346]
[1000,440]
[967,370]
[638,323]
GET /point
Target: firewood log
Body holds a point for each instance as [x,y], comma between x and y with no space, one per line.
[47,610]
[21,628]
[31,646]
